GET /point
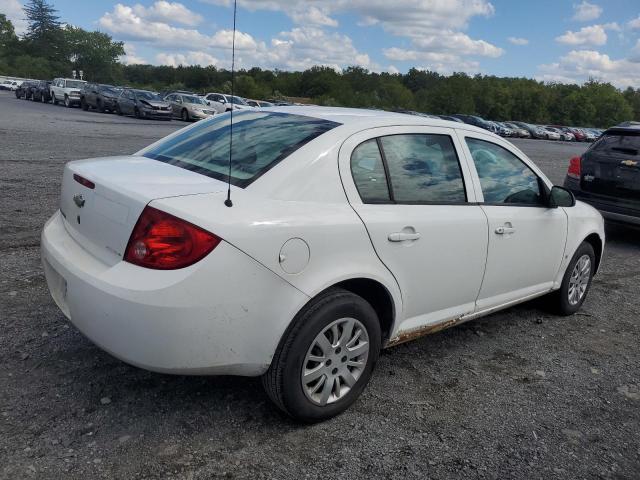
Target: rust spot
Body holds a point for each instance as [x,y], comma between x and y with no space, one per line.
[409,335]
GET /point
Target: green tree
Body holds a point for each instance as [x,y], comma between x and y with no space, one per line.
[8,37]
[95,53]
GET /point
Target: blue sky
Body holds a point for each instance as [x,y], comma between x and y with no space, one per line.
[565,41]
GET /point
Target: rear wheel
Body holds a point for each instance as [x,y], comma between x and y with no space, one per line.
[576,281]
[118,111]
[326,359]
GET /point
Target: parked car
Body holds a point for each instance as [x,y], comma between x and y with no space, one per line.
[502,129]
[221,102]
[41,91]
[475,120]
[258,103]
[534,130]
[24,90]
[189,107]
[518,131]
[607,175]
[11,85]
[450,118]
[99,96]
[142,104]
[66,90]
[329,251]
[568,135]
[551,133]
[578,133]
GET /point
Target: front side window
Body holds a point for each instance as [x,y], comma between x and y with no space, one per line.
[368,173]
[423,169]
[260,141]
[504,178]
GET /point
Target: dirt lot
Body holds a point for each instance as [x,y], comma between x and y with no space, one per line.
[521,394]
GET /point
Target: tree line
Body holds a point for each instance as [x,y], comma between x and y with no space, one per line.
[49,49]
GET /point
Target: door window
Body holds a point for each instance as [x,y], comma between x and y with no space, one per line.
[504,178]
[423,169]
[368,173]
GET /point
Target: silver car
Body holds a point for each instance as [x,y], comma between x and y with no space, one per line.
[188,107]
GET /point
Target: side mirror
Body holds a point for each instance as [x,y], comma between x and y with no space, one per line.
[561,197]
[208,103]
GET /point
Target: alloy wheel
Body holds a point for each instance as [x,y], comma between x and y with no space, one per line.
[579,280]
[335,361]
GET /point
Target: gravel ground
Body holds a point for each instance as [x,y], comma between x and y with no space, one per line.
[520,394]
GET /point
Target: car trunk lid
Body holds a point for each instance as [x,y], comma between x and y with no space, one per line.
[102,218]
[612,167]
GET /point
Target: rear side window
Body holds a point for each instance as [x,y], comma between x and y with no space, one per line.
[368,173]
[620,143]
[260,141]
[423,169]
[504,178]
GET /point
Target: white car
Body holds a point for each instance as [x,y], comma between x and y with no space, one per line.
[222,103]
[66,90]
[349,231]
[551,133]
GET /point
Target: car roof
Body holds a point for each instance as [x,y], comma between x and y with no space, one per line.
[364,118]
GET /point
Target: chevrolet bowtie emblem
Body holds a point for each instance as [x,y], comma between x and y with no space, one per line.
[78,200]
[629,163]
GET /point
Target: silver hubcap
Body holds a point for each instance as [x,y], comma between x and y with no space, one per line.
[335,360]
[579,279]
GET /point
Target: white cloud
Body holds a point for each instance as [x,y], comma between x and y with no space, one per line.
[580,65]
[594,35]
[313,16]
[518,41]
[14,12]
[634,24]
[164,11]
[190,58]
[392,69]
[586,12]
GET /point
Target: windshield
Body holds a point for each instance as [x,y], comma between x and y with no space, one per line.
[193,99]
[144,95]
[261,140]
[236,100]
[109,90]
[74,84]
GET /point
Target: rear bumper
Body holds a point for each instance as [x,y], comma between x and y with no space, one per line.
[215,317]
[610,209]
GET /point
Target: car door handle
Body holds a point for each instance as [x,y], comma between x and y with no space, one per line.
[505,230]
[403,236]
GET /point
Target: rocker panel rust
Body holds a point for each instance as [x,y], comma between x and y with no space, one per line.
[414,333]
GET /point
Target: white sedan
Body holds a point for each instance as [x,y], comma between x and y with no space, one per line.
[350,231]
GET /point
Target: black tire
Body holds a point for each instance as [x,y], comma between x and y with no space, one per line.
[136,112]
[84,105]
[184,115]
[43,98]
[283,380]
[100,107]
[67,102]
[118,111]
[560,298]
[54,99]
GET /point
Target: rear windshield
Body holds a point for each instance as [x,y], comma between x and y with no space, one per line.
[260,141]
[617,142]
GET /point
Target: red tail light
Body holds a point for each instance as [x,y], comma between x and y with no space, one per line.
[574,168]
[164,242]
[84,181]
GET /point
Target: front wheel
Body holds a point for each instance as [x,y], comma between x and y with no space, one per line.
[326,359]
[118,111]
[67,102]
[54,99]
[185,115]
[576,281]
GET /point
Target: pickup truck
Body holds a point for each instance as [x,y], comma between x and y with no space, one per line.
[66,90]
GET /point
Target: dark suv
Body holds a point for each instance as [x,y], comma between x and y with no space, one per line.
[607,175]
[101,97]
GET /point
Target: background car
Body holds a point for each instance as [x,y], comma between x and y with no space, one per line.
[189,107]
[450,118]
[476,121]
[534,130]
[221,102]
[551,133]
[607,175]
[142,104]
[518,131]
[99,96]
[66,90]
[41,92]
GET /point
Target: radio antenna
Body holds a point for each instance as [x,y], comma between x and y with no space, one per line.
[228,201]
